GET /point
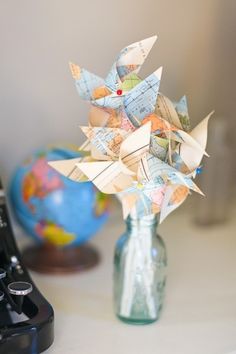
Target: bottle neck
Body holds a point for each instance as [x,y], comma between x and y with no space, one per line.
[143,225]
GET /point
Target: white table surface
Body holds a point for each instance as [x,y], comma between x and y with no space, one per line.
[199,316]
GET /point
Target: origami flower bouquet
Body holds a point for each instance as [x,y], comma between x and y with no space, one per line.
[139,143]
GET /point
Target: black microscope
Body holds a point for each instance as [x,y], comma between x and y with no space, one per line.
[26,318]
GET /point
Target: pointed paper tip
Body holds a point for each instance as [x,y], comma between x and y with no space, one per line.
[158,72]
[64,167]
[184,99]
[154,37]
[201,193]
[151,40]
[75,70]
[85,130]
[56,165]
[212,112]
[198,190]
[210,115]
[52,164]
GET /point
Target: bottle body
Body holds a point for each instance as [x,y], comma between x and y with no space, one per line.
[139,272]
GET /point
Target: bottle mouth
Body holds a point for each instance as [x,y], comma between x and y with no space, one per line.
[147,220]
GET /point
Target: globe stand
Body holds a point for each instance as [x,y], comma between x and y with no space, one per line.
[54,260]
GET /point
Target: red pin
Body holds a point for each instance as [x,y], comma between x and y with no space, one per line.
[119,92]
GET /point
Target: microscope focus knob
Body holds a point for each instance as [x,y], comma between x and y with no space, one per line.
[20,288]
[2,273]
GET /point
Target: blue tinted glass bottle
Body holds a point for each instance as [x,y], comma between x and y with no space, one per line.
[139,272]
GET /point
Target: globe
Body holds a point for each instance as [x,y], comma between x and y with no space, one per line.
[52,208]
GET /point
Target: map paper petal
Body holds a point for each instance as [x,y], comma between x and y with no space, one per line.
[153,169]
[106,140]
[174,197]
[133,148]
[130,82]
[128,202]
[185,138]
[112,80]
[85,81]
[68,168]
[141,100]
[129,61]
[182,110]
[106,175]
[192,157]
[111,101]
[133,56]
[165,109]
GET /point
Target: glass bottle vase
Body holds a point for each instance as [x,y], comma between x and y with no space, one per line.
[139,272]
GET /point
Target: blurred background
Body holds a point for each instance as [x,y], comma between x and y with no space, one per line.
[39,103]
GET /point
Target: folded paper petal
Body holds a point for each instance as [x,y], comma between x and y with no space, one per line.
[69,169]
[141,100]
[106,140]
[182,110]
[152,169]
[111,101]
[106,175]
[129,61]
[192,157]
[134,147]
[165,109]
[141,199]
[133,56]
[85,81]
[174,197]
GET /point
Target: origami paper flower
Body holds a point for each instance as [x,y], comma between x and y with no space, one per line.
[140,143]
[91,87]
[122,158]
[122,92]
[154,178]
